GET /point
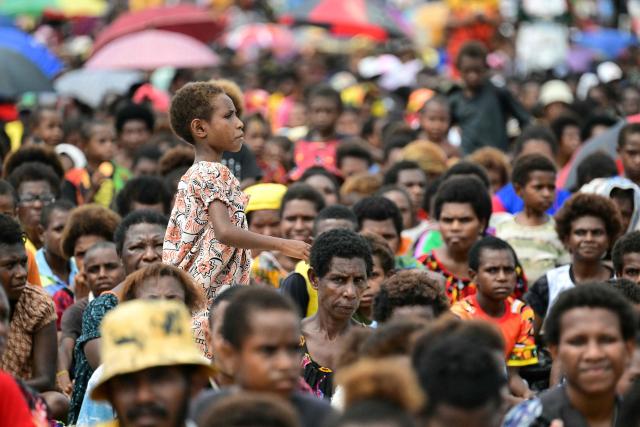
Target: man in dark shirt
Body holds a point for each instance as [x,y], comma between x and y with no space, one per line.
[480,108]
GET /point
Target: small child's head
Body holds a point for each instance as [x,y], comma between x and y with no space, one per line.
[472,64]
[626,257]
[596,165]
[46,126]
[353,157]
[587,225]
[202,114]
[629,150]
[324,108]
[134,126]
[8,199]
[146,161]
[534,179]
[256,133]
[435,119]
[566,129]
[536,139]
[52,221]
[497,165]
[257,319]
[103,268]
[604,323]
[100,141]
[334,217]
[383,268]
[492,267]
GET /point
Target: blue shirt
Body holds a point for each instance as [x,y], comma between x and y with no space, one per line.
[50,282]
[513,203]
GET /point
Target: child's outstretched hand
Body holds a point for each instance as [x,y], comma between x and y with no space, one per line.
[296,249]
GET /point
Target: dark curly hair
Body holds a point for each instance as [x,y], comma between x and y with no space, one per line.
[338,212]
[628,243]
[353,148]
[464,189]
[302,191]
[409,287]
[193,295]
[147,190]
[249,409]
[471,49]
[178,157]
[584,204]
[338,243]
[134,112]
[594,295]
[33,153]
[628,129]
[34,171]
[627,288]
[10,231]
[538,133]
[88,220]
[377,208]
[381,249]
[468,168]
[192,101]
[394,338]
[488,243]
[598,164]
[144,216]
[391,177]
[526,165]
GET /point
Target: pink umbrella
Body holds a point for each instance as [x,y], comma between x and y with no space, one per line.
[251,38]
[151,49]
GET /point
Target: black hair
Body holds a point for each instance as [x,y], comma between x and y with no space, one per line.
[236,324]
[6,189]
[377,208]
[58,205]
[147,151]
[226,295]
[34,153]
[598,164]
[594,295]
[134,112]
[302,191]
[628,243]
[144,216]
[396,141]
[587,204]
[537,132]
[437,99]
[629,415]
[148,190]
[325,91]
[627,288]
[464,189]
[386,189]
[466,168]
[319,170]
[391,177]
[491,243]
[596,120]
[472,49]
[526,165]
[558,125]
[627,130]
[247,409]
[338,244]
[353,149]
[335,212]
[459,373]
[10,231]
[34,171]
[101,245]
[430,193]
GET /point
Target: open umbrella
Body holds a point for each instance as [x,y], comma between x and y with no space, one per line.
[251,38]
[19,75]
[608,43]
[24,44]
[191,20]
[374,18]
[151,49]
[70,8]
[91,86]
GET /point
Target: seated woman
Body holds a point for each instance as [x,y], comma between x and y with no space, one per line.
[31,339]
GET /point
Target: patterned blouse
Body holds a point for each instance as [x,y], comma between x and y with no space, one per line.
[32,312]
[190,242]
[319,378]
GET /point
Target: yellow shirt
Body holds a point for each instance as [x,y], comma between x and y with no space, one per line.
[303,269]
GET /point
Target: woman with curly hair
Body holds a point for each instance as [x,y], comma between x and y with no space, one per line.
[587,225]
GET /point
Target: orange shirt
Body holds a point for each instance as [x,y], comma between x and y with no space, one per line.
[516,326]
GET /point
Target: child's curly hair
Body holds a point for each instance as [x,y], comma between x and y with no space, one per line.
[583,204]
[192,101]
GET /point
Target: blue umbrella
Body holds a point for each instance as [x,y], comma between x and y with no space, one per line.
[24,44]
[608,42]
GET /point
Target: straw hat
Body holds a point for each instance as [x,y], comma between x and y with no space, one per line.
[139,335]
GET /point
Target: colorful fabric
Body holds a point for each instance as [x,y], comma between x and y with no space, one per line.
[538,247]
[319,378]
[82,371]
[303,269]
[190,242]
[407,262]
[516,326]
[80,178]
[307,154]
[33,311]
[63,299]
[267,271]
[506,200]
[50,282]
[33,275]
[40,413]
[13,406]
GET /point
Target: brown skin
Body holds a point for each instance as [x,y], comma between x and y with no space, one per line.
[134,135]
[630,156]
[323,116]
[405,207]
[326,187]
[339,293]
[374,282]
[224,374]
[473,72]
[569,142]
[49,128]
[51,238]
[101,146]
[538,195]
[7,205]
[29,212]
[630,267]
[384,229]
[415,182]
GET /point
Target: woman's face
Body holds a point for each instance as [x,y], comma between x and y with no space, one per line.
[163,288]
[459,225]
[588,240]
[142,246]
[326,187]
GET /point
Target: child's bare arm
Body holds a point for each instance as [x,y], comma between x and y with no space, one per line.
[236,237]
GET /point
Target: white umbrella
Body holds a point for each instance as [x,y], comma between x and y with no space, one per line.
[90,86]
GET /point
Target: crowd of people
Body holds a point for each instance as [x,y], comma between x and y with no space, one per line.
[303,245]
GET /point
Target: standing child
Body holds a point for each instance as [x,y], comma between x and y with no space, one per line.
[208,234]
[532,232]
[492,266]
[435,120]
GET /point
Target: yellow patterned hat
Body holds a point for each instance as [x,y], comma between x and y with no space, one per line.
[143,334]
[266,196]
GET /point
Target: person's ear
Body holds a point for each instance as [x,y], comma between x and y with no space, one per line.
[198,128]
[313,278]
[472,274]
[228,355]
[518,189]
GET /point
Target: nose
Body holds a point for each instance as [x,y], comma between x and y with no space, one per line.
[102,272]
[593,351]
[502,276]
[299,224]
[349,291]
[143,392]
[20,272]
[150,254]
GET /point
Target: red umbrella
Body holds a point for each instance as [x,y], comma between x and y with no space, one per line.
[151,49]
[194,21]
[374,18]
